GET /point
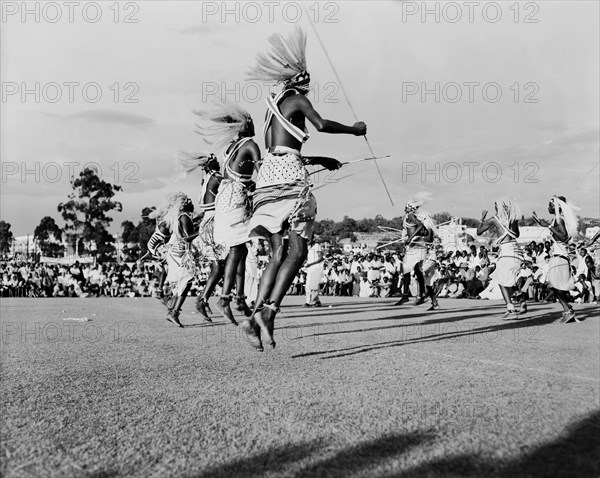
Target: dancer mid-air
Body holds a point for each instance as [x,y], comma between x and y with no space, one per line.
[506,223]
[205,241]
[563,229]
[230,124]
[282,201]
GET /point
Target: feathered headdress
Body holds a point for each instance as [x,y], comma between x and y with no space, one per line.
[417,201]
[507,210]
[567,211]
[189,162]
[285,62]
[168,212]
[222,123]
[414,205]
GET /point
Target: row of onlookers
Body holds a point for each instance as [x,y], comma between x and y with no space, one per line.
[460,274]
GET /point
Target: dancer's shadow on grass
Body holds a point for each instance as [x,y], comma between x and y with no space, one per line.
[298,460]
[534,321]
[574,454]
[402,325]
[413,314]
[207,324]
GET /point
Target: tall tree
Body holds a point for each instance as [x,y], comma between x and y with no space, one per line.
[145,228]
[135,238]
[6,237]
[49,235]
[86,214]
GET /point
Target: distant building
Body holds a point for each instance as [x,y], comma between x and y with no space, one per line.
[533,233]
[591,231]
[22,245]
[453,236]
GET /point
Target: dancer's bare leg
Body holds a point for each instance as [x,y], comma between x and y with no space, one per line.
[161,280]
[568,312]
[507,296]
[173,315]
[295,257]
[269,276]
[240,286]
[216,274]
[265,286]
[405,289]
[237,255]
[421,285]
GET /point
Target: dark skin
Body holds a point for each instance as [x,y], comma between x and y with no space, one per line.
[162,227]
[186,226]
[243,162]
[416,231]
[211,190]
[286,261]
[217,267]
[559,233]
[493,222]
[188,234]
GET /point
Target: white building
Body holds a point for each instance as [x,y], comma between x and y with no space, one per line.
[533,233]
[23,245]
[591,231]
[453,236]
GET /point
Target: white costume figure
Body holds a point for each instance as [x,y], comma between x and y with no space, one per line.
[314,272]
[508,266]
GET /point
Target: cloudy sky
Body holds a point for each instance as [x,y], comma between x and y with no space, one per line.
[470,104]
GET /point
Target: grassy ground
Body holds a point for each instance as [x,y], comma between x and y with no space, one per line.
[360,388]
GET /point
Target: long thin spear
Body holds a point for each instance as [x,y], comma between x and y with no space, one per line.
[353,161]
[347,99]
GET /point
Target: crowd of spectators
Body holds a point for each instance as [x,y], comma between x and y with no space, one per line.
[460,274]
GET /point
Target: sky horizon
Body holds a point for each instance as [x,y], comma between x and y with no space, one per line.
[470,105]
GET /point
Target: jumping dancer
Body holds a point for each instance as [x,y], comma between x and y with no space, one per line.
[157,250]
[283,203]
[205,241]
[180,260]
[230,123]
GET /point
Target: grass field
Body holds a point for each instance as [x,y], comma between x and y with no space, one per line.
[361,388]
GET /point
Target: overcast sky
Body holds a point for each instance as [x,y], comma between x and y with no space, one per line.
[541,136]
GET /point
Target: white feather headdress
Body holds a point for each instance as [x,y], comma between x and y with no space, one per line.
[508,210]
[285,62]
[170,208]
[414,205]
[186,162]
[221,123]
[567,211]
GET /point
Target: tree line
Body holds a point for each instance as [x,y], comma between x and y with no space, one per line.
[86,216]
